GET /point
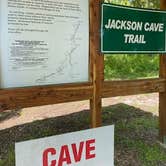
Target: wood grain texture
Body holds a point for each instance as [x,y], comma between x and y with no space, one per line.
[97,70]
[133,87]
[162,95]
[44,95]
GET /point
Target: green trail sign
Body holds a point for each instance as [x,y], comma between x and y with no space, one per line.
[132,30]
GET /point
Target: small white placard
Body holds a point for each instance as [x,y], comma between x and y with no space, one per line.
[93,147]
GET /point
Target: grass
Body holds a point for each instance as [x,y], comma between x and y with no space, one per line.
[139,124]
[10,159]
[150,153]
[136,134]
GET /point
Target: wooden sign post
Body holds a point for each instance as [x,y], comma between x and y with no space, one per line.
[162,95]
[97,75]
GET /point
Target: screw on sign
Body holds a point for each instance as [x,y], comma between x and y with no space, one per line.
[86,147]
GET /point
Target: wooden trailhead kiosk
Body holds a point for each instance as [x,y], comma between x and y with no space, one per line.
[92,87]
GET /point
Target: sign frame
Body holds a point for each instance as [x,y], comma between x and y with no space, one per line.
[48,54]
[130,51]
[17,92]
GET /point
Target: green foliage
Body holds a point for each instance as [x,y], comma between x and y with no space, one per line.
[152,4]
[132,66]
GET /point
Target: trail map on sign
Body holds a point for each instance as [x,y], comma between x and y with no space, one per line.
[44,42]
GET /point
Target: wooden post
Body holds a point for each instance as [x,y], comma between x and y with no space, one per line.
[162,95]
[97,64]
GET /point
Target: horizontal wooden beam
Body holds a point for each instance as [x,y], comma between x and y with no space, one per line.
[132,87]
[43,95]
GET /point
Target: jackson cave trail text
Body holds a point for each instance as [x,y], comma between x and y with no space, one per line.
[127,25]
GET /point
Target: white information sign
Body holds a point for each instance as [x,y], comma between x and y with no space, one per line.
[43,42]
[94,147]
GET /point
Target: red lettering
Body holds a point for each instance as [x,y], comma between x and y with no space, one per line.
[64,156]
[45,157]
[77,153]
[89,149]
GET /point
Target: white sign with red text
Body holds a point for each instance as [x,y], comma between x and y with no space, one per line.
[93,147]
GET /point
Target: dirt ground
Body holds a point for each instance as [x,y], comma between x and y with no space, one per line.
[146,102]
